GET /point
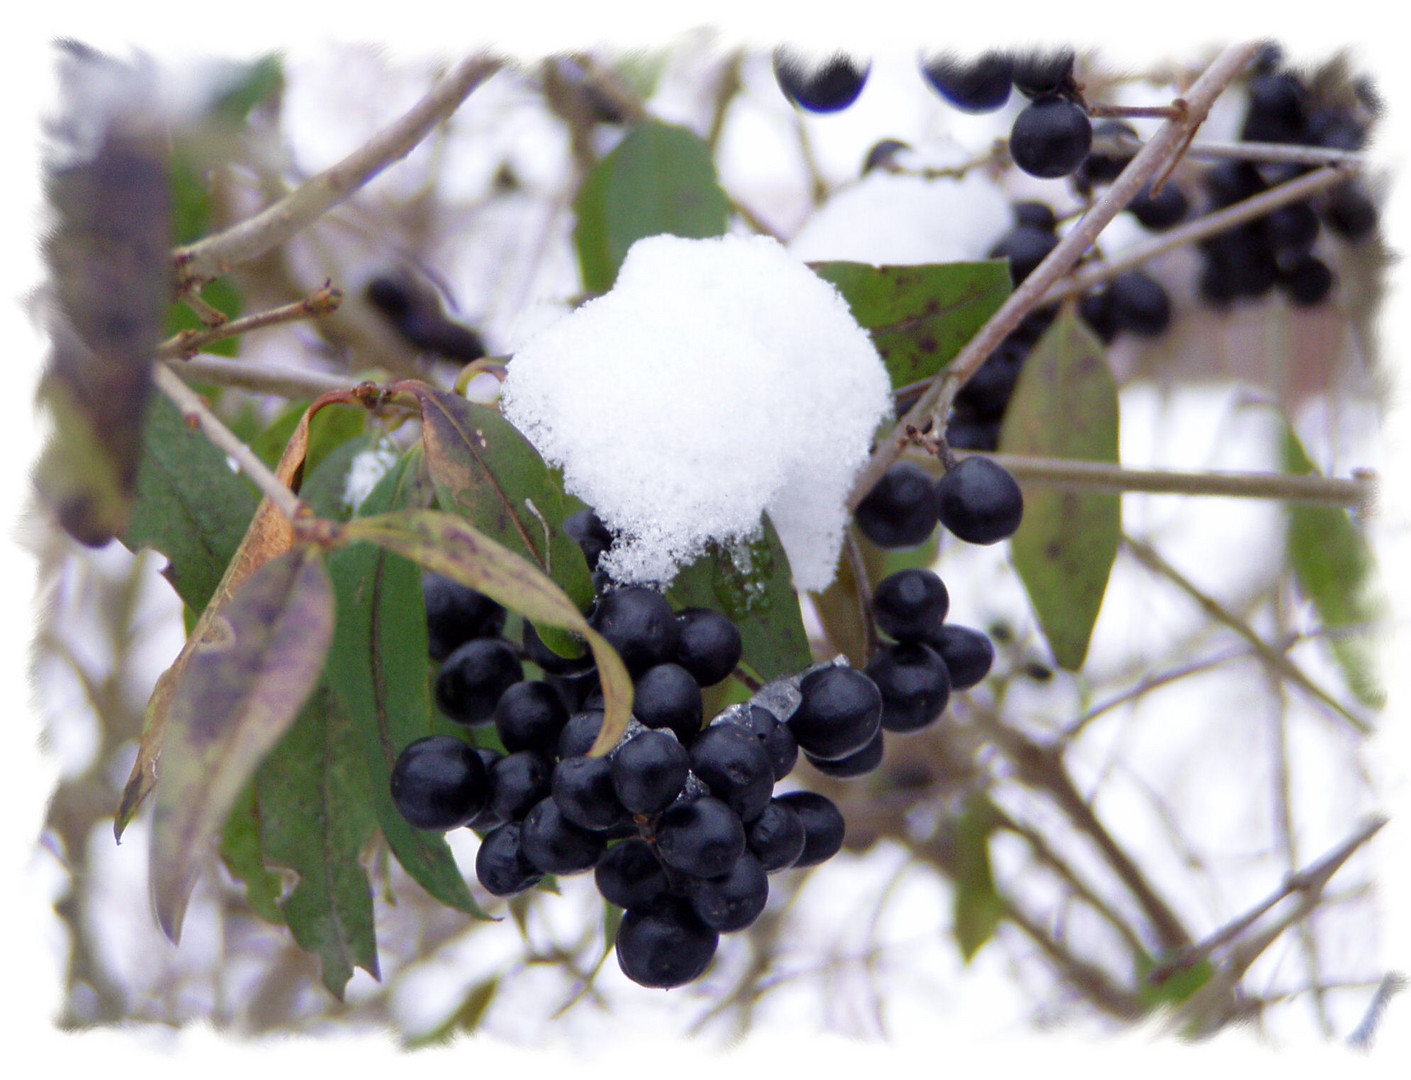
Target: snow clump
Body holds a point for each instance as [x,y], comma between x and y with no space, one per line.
[719,379]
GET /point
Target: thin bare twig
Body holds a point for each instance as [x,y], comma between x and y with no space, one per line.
[189,342]
[1161,149]
[207,259]
[1272,153]
[286,382]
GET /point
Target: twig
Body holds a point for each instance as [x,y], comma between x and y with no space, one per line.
[1159,112]
[198,263]
[1167,142]
[293,383]
[1392,983]
[1357,492]
[189,342]
[1149,557]
[1208,225]
[1272,153]
[197,413]
[864,592]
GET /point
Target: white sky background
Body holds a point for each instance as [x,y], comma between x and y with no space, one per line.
[30,987]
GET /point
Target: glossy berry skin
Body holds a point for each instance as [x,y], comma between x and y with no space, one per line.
[630,875]
[439,782]
[900,511]
[555,845]
[776,738]
[455,614]
[517,782]
[909,603]
[664,944]
[732,901]
[733,764]
[826,88]
[1050,138]
[638,623]
[979,502]
[530,716]
[856,764]
[883,154]
[968,654]
[840,712]
[709,646]
[582,788]
[977,86]
[667,696]
[580,733]
[701,838]
[473,677]
[500,865]
[648,771]
[823,826]
[776,837]
[914,683]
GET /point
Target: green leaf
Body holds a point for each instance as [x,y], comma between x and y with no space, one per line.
[919,316]
[488,473]
[453,548]
[191,220]
[752,586]
[241,852]
[247,87]
[191,506]
[378,669]
[978,905]
[1173,989]
[1065,406]
[239,691]
[315,819]
[330,428]
[1335,570]
[659,179]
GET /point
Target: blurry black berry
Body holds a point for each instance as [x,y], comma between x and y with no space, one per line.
[1229,182]
[1025,247]
[666,696]
[474,676]
[979,502]
[710,645]
[1042,74]
[733,900]
[589,532]
[1035,215]
[1333,129]
[1350,212]
[439,782]
[900,511]
[910,602]
[1037,671]
[390,296]
[859,763]
[1239,263]
[649,771]
[1033,326]
[1096,311]
[580,733]
[1276,109]
[1051,137]
[630,875]
[776,837]
[517,782]
[550,662]
[530,716]
[500,865]
[456,613]
[883,155]
[1307,282]
[1291,231]
[733,764]
[553,844]
[975,86]
[964,433]
[985,395]
[638,623]
[664,944]
[840,712]
[1158,212]
[828,87]
[1138,304]
[914,683]
[968,654]
[582,788]
[701,838]
[416,314]
[1103,167]
[823,826]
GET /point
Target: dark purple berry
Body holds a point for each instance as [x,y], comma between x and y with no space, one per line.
[455,614]
[858,763]
[1035,215]
[823,826]
[968,654]
[776,837]
[638,623]
[582,787]
[550,662]
[975,86]
[702,838]
[733,764]
[900,511]
[500,865]
[840,712]
[710,645]
[580,733]
[1051,137]
[979,502]
[1138,304]
[1158,212]
[590,534]
[732,901]
[517,782]
[553,844]
[630,875]
[824,88]
[777,739]
[1103,167]
[1042,74]
[530,716]
[910,602]
[664,944]
[1025,247]
[439,783]
[1350,213]
[914,683]
[667,696]
[1307,282]
[473,678]
[648,771]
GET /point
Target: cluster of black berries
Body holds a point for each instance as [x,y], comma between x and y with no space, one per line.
[415,312]
[679,822]
[1052,135]
[1277,250]
[828,87]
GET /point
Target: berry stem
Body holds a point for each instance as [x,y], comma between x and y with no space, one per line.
[1158,152]
[1162,112]
[189,342]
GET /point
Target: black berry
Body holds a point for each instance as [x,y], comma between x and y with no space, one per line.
[1051,137]
[648,771]
[664,944]
[979,502]
[823,826]
[439,782]
[638,623]
[630,875]
[900,511]
[909,603]
[968,654]
[840,712]
[828,87]
[732,901]
[702,838]
[473,678]
[456,613]
[709,646]
[500,865]
[976,86]
[914,683]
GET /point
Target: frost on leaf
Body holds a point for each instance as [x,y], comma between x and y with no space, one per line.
[719,379]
